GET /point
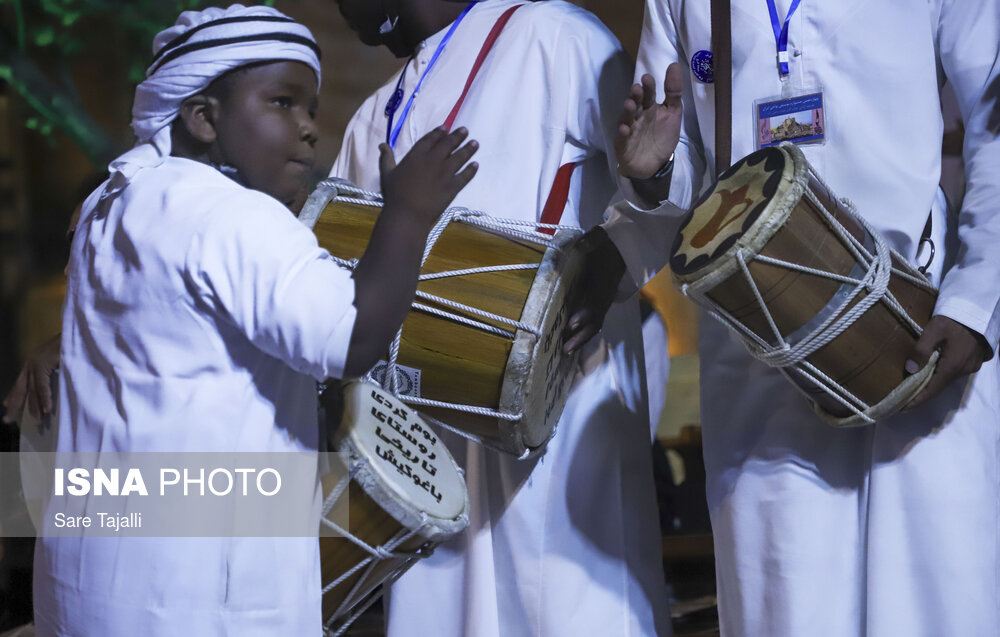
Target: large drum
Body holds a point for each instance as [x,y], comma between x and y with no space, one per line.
[405,495]
[807,285]
[481,350]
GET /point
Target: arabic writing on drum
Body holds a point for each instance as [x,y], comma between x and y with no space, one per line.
[414,461]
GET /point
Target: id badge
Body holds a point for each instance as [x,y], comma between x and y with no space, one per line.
[799,119]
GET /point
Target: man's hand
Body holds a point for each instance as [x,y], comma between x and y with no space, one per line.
[603,268]
[962,352]
[648,132]
[33,384]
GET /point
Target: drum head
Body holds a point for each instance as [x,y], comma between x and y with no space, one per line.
[401,462]
[539,374]
[730,209]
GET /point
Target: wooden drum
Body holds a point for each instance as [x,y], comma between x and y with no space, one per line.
[405,495]
[481,350]
[807,285]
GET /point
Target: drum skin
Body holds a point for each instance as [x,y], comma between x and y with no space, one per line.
[867,359]
[379,436]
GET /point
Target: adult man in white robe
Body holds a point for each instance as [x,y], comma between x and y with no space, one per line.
[884,530]
[568,544]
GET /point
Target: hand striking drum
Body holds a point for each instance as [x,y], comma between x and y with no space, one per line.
[807,285]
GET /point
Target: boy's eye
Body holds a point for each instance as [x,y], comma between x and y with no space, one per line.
[282,101]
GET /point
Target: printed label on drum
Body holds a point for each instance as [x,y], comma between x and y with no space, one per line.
[407,379]
[407,453]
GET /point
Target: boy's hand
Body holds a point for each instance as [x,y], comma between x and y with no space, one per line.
[415,192]
[33,387]
[430,175]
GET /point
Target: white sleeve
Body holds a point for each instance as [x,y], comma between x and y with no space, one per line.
[260,269]
[968,40]
[644,240]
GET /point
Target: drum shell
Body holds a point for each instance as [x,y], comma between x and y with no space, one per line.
[464,365]
[371,522]
[867,359]
[381,508]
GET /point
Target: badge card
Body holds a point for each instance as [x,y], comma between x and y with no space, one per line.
[799,119]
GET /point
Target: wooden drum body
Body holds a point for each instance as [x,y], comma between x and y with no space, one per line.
[405,495]
[807,285]
[481,350]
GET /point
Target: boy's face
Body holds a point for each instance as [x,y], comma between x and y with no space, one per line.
[266,129]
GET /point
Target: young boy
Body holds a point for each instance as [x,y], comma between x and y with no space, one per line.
[199,314]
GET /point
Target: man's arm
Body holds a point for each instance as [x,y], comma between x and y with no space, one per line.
[966,325]
[599,73]
[659,47]
[630,240]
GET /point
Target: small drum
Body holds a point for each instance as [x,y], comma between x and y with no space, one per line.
[807,285]
[405,495]
[480,352]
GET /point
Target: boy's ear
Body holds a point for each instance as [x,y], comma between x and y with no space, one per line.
[198,114]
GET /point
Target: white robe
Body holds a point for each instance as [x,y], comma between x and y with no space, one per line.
[198,314]
[877,531]
[569,544]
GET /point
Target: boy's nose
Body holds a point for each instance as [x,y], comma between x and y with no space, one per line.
[309,132]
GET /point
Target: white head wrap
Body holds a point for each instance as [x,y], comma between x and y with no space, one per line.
[188,56]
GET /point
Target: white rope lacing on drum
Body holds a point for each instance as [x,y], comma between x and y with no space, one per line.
[424,551]
[874,283]
[467,271]
[381,552]
[510,228]
[386,551]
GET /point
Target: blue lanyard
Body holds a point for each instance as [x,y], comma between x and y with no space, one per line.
[391,133]
[781,32]
[395,100]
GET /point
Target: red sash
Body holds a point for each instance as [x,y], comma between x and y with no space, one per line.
[559,193]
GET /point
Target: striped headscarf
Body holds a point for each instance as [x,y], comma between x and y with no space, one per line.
[187,57]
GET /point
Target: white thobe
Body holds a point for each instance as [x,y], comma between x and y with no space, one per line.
[891,529]
[198,314]
[569,544]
